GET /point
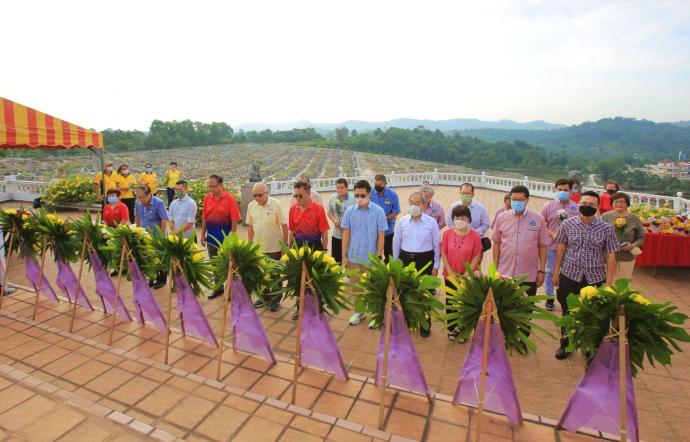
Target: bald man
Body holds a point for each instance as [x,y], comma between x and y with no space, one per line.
[266,225]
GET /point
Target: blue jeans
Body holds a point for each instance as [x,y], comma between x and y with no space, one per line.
[550,264]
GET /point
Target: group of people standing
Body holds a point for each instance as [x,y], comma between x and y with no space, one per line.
[568,245]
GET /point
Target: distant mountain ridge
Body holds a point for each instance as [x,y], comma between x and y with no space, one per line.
[406,123]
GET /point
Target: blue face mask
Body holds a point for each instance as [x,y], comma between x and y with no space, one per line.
[575,190]
[112,199]
[562,195]
[518,206]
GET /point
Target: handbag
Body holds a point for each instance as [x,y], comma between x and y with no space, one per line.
[486,244]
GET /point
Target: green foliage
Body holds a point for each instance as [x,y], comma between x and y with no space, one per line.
[18,223]
[138,243]
[73,190]
[515,310]
[184,252]
[170,134]
[252,266]
[416,292]
[652,328]
[91,229]
[57,234]
[278,136]
[325,274]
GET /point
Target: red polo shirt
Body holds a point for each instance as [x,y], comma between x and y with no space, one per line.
[219,215]
[119,214]
[308,224]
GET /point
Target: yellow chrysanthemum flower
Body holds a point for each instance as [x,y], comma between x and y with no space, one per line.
[197,257]
[317,254]
[640,299]
[609,289]
[10,211]
[172,238]
[284,258]
[588,292]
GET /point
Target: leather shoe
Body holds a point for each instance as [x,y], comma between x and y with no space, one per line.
[424,333]
[295,316]
[561,353]
[258,303]
[274,307]
[215,294]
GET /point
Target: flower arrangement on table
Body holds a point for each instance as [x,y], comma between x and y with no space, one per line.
[16,222]
[251,264]
[416,291]
[516,311]
[325,274]
[57,234]
[661,220]
[185,252]
[653,329]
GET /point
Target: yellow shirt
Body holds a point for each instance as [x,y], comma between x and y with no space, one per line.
[267,221]
[172,177]
[110,181]
[151,180]
[126,184]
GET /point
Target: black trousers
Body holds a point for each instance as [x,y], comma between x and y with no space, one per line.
[387,247]
[337,249]
[171,194]
[212,252]
[129,202]
[419,260]
[566,287]
[314,245]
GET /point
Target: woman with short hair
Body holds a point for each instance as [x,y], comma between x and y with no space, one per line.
[629,231]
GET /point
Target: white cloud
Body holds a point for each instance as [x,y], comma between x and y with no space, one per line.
[122,64]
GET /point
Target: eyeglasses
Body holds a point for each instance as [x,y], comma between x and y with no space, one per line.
[297,197]
[258,195]
[360,195]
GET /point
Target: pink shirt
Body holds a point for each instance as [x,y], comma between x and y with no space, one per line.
[520,237]
[460,249]
[551,214]
[436,212]
[498,212]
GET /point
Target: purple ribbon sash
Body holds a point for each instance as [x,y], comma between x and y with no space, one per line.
[33,272]
[145,303]
[105,289]
[595,403]
[192,317]
[318,346]
[404,369]
[248,332]
[500,395]
[67,283]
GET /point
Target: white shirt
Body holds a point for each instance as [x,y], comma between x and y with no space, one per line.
[417,237]
[480,216]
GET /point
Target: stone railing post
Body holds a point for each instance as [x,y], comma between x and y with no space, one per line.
[435,179]
[677,201]
[482,180]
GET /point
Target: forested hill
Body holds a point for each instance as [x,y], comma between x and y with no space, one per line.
[602,138]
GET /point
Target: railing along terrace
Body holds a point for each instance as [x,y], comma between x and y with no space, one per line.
[17,190]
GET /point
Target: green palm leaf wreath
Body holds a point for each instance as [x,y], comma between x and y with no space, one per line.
[251,264]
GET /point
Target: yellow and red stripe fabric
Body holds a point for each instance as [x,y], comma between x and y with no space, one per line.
[25,128]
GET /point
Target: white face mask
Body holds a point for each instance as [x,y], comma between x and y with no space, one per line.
[414,210]
[460,224]
[362,202]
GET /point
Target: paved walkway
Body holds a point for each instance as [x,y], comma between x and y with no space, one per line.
[182,400]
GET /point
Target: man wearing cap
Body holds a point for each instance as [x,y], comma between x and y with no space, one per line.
[104,181]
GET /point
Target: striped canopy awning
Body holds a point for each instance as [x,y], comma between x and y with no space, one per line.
[22,127]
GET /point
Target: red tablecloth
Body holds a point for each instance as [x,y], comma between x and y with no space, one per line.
[665,250]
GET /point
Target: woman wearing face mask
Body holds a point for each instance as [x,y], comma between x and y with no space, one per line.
[575,190]
[460,245]
[126,183]
[416,239]
[115,212]
[149,178]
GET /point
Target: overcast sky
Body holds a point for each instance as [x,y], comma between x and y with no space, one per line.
[121,64]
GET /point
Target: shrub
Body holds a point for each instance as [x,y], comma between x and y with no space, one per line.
[73,190]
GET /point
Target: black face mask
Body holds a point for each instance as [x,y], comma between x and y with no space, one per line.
[610,191]
[587,210]
[379,188]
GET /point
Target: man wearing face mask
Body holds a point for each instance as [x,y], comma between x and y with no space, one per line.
[417,240]
[149,178]
[182,211]
[520,238]
[554,212]
[363,229]
[610,187]
[104,181]
[480,216]
[388,200]
[585,255]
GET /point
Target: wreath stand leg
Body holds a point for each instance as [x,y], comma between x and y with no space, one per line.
[298,344]
[224,319]
[76,295]
[388,317]
[170,298]
[622,344]
[7,267]
[117,293]
[489,312]
[40,281]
